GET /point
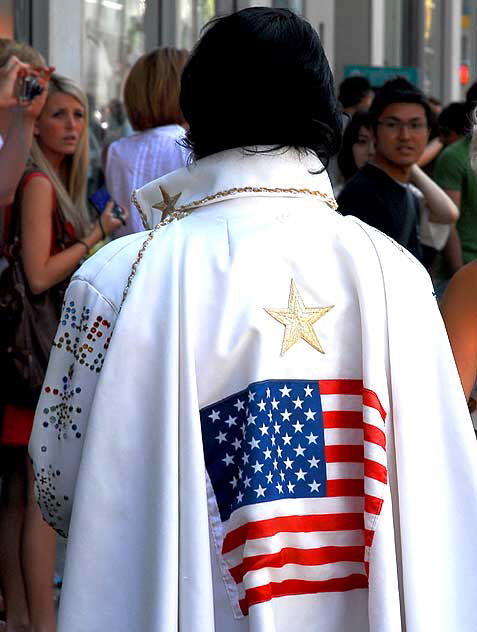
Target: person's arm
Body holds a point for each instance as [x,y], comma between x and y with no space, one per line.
[459,310]
[42,269]
[442,207]
[431,152]
[16,124]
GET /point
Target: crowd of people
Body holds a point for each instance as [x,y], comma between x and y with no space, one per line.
[123,351]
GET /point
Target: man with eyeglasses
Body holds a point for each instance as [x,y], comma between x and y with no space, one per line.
[380,193]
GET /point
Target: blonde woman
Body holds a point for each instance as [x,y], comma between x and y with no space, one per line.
[56,234]
[151,98]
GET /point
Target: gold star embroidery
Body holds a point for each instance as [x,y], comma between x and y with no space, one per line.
[168,202]
[298,320]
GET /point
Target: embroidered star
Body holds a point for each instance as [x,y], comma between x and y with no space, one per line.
[168,203]
[298,321]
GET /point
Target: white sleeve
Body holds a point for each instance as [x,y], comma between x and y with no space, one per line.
[61,418]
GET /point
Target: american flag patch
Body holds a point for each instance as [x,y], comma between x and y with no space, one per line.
[297,469]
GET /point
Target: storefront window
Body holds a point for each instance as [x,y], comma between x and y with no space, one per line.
[114,39]
[431,82]
[294,5]
[191,17]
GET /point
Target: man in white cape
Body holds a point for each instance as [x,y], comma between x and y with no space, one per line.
[251,419]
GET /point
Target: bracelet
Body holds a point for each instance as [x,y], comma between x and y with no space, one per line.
[83,243]
[101,226]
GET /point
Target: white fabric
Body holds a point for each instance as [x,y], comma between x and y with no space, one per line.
[135,160]
[141,553]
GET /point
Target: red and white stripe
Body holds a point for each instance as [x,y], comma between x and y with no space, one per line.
[314,545]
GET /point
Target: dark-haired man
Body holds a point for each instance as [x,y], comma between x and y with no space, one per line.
[234,427]
[355,94]
[379,193]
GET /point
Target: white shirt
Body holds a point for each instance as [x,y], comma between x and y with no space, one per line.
[135,160]
[133,400]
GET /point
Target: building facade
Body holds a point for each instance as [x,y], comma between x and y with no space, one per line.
[97,41]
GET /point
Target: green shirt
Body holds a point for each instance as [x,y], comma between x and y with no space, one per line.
[453,171]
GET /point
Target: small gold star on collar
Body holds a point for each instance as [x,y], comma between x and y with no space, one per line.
[298,320]
[168,203]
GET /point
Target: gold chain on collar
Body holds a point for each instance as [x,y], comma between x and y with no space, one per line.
[142,214]
[186,209]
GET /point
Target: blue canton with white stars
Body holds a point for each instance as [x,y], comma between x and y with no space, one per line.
[265,443]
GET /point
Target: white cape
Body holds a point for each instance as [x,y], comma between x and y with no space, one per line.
[117,443]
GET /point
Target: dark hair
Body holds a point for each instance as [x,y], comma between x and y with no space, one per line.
[398,90]
[260,77]
[454,117]
[471,94]
[346,161]
[353,90]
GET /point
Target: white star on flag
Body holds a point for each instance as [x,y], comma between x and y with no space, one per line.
[231,421]
[260,491]
[222,436]
[286,439]
[300,475]
[214,415]
[254,443]
[308,391]
[285,391]
[298,402]
[312,438]
[314,486]
[237,443]
[298,426]
[257,467]
[228,460]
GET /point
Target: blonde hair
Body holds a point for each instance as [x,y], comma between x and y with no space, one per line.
[24,52]
[151,91]
[70,186]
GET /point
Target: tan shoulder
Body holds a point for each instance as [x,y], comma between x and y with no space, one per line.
[460,297]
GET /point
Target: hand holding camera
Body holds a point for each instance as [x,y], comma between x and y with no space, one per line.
[22,84]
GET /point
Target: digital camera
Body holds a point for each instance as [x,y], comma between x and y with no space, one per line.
[30,88]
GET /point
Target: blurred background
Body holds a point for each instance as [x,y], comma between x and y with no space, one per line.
[432,42]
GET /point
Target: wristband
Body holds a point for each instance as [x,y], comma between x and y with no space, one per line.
[83,243]
[101,226]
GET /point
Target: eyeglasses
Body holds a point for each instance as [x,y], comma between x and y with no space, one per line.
[394,125]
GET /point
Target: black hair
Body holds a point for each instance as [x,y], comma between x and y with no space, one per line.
[454,117]
[398,90]
[471,94]
[346,161]
[260,77]
[353,90]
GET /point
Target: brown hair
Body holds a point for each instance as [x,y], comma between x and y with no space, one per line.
[24,52]
[151,92]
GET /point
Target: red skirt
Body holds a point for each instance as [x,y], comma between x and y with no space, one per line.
[16,425]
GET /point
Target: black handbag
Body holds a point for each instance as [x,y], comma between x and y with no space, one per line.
[28,323]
